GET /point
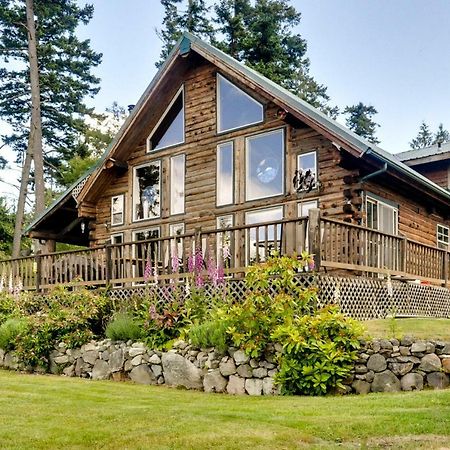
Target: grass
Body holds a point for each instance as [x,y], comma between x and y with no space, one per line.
[436,329]
[46,412]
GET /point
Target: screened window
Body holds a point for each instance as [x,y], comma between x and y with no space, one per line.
[442,236]
[146,255]
[146,191]
[117,210]
[261,241]
[381,216]
[264,168]
[236,108]
[224,177]
[305,178]
[177,180]
[170,129]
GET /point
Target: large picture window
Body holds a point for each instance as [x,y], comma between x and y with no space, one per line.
[177,180]
[170,128]
[261,241]
[264,168]
[146,191]
[117,210]
[224,177]
[236,109]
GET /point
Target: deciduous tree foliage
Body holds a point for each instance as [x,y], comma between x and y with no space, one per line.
[359,119]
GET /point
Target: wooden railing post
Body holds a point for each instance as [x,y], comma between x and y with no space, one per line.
[108,256]
[38,261]
[314,236]
[446,256]
[404,255]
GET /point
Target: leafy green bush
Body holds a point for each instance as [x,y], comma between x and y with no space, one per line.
[7,306]
[9,331]
[273,297]
[62,315]
[318,351]
[210,334]
[123,327]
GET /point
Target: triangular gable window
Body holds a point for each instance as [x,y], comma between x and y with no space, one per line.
[236,109]
[170,128]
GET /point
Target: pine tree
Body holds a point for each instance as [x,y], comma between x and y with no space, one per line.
[423,139]
[359,119]
[43,81]
[441,135]
[180,16]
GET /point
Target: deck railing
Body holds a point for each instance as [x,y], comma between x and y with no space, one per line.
[336,245]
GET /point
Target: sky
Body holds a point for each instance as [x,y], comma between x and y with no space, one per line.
[392,54]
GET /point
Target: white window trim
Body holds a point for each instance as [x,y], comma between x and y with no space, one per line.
[283,176]
[316,172]
[149,163]
[171,184]
[300,205]
[117,235]
[113,224]
[174,99]
[438,241]
[219,131]
[232,171]
[369,198]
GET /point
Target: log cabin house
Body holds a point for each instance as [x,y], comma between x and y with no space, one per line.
[211,146]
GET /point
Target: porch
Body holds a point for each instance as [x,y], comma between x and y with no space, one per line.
[338,248]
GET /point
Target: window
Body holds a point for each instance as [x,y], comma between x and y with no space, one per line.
[381,216]
[176,244]
[264,168]
[170,128]
[442,236]
[304,207]
[177,176]
[117,258]
[305,179]
[146,255]
[225,240]
[146,191]
[117,238]
[224,176]
[260,241]
[236,109]
[117,209]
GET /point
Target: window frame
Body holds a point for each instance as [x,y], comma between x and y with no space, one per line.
[439,241]
[233,175]
[171,184]
[135,168]
[283,163]
[134,248]
[228,130]
[316,167]
[386,203]
[163,116]
[122,212]
[302,204]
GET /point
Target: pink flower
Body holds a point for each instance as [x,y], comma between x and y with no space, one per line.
[175,263]
[148,269]
[191,263]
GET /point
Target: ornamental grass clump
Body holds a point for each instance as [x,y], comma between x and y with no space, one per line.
[9,332]
[124,327]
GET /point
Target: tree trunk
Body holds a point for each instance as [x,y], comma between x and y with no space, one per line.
[34,149]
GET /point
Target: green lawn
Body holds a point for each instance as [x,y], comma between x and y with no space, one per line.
[46,412]
[436,329]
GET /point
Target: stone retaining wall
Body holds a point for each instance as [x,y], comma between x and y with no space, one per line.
[383,366]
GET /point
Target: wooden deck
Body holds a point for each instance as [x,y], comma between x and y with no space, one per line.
[337,247]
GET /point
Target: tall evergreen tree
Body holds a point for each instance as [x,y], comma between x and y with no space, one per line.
[423,139]
[441,135]
[360,120]
[46,74]
[180,16]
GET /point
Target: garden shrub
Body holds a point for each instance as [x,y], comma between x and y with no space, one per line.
[123,327]
[70,316]
[9,331]
[212,333]
[318,351]
[7,306]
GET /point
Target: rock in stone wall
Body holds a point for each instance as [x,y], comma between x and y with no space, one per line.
[382,366]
